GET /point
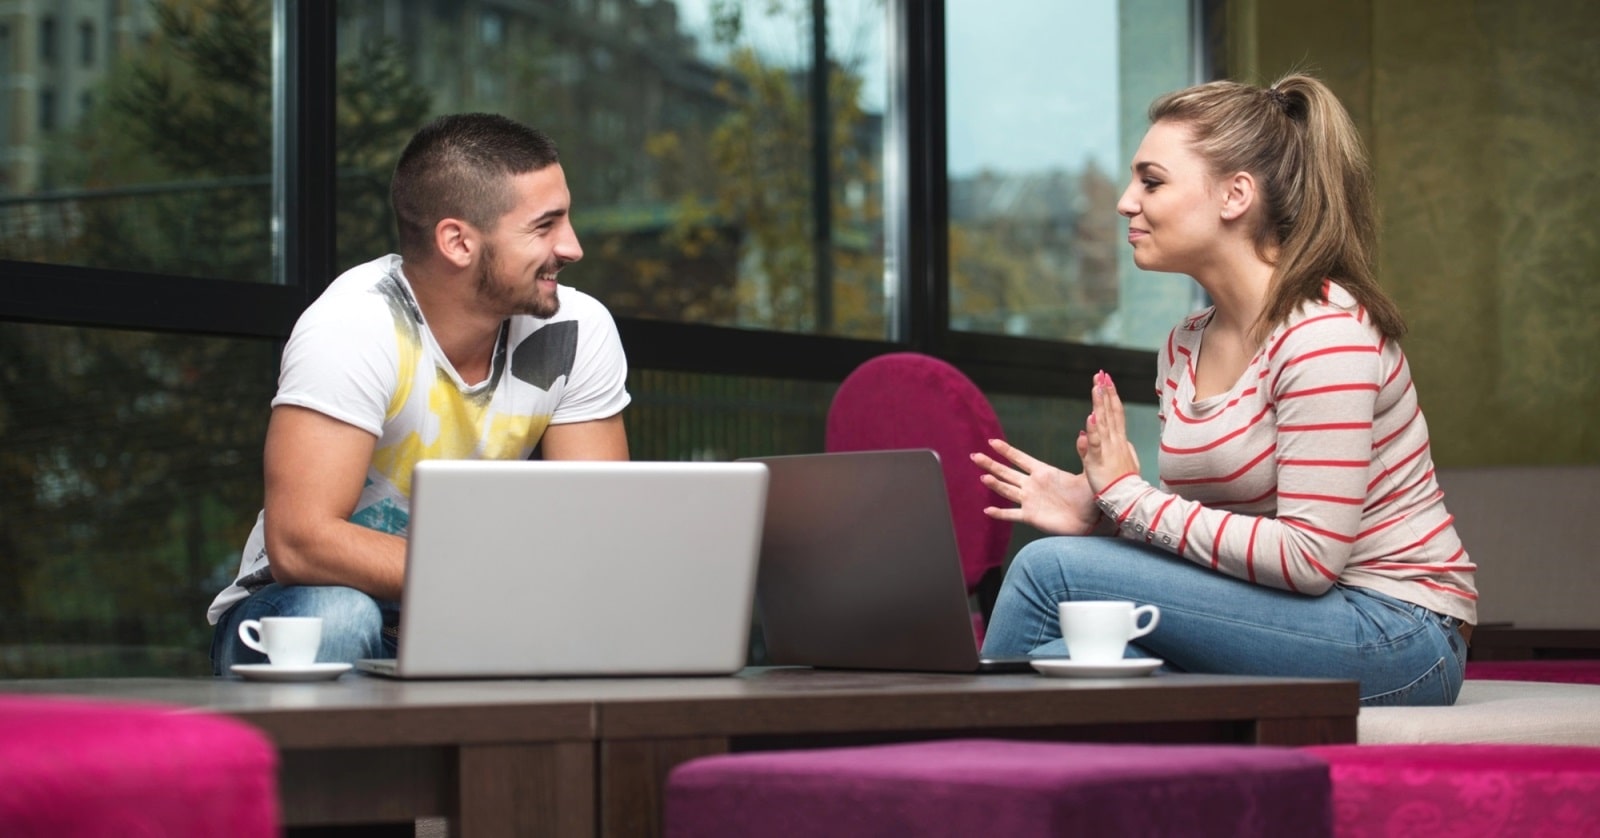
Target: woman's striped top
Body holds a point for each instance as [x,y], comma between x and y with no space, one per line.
[1312,470]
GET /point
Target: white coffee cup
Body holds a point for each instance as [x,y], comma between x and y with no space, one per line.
[286,641]
[1098,631]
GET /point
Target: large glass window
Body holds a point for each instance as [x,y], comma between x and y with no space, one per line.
[167,167]
[721,173]
[130,475]
[1046,104]
[730,162]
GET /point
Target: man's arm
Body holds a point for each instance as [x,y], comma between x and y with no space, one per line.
[598,439]
[315,468]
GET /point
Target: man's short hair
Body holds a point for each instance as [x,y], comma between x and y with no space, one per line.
[460,166]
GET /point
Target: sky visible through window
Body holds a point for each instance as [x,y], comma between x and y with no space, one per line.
[1059,69]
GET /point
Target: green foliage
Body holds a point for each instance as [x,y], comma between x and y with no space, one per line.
[750,179]
[131,461]
[196,102]
[379,108]
[130,472]
[1054,268]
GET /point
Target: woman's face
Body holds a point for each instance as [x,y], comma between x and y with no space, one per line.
[1173,205]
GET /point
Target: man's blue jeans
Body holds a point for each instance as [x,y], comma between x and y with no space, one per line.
[1403,654]
[353,624]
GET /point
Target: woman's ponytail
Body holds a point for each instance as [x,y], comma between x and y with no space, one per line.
[1317,221]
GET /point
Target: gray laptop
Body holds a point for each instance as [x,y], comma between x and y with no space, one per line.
[860,567]
[550,568]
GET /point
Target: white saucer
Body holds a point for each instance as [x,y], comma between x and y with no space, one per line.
[1125,668]
[313,672]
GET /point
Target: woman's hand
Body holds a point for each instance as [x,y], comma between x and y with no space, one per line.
[1048,499]
[1107,453]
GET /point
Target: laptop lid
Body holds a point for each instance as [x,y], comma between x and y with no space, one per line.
[557,568]
[860,568]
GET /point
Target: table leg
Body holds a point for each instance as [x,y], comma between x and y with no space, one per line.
[344,786]
[529,789]
[633,780]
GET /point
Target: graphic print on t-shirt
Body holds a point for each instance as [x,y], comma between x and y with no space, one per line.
[546,355]
[496,419]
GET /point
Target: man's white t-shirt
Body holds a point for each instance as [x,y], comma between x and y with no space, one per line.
[363,354]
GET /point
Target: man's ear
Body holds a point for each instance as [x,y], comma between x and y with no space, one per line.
[1239,195]
[456,241]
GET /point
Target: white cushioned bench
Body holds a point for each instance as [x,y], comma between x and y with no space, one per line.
[1492,712]
[1524,527]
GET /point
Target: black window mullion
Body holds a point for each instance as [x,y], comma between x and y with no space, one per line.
[925,278]
[97,297]
[307,117]
[1034,366]
[821,171]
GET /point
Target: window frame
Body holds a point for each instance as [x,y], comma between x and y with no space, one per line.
[304,112]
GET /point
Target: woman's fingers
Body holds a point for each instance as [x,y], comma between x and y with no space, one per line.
[1000,471]
[1006,490]
[1092,430]
[1114,413]
[1015,455]
[1013,514]
[1108,415]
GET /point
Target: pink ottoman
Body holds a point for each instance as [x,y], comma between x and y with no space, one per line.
[1500,790]
[74,767]
[1556,670]
[992,787]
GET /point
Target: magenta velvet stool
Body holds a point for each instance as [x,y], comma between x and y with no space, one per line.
[76,767]
[1560,671]
[993,787]
[1460,790]
[912,400]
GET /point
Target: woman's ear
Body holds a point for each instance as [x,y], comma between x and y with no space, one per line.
[456,241]
[1239,196]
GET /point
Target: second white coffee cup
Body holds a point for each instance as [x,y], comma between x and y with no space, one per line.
[1098,631]
[286,641]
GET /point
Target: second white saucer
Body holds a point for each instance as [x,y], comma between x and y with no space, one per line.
[311,672]
[1067,668]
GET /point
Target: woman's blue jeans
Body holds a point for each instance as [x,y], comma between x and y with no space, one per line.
[1402,654]
[353,624]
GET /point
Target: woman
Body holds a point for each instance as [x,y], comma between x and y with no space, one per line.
[1298,529]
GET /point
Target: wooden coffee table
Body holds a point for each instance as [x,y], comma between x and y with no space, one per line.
[591,756]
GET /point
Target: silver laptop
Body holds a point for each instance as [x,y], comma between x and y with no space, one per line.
[552,568]
[860,568]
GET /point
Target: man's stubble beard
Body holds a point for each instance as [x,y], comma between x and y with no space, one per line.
[491,290]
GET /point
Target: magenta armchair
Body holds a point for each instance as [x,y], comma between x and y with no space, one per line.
[911,400]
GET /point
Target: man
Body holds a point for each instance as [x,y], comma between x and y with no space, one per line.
[462,346]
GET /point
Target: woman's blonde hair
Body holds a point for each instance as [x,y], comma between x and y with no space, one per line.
[1312,179]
